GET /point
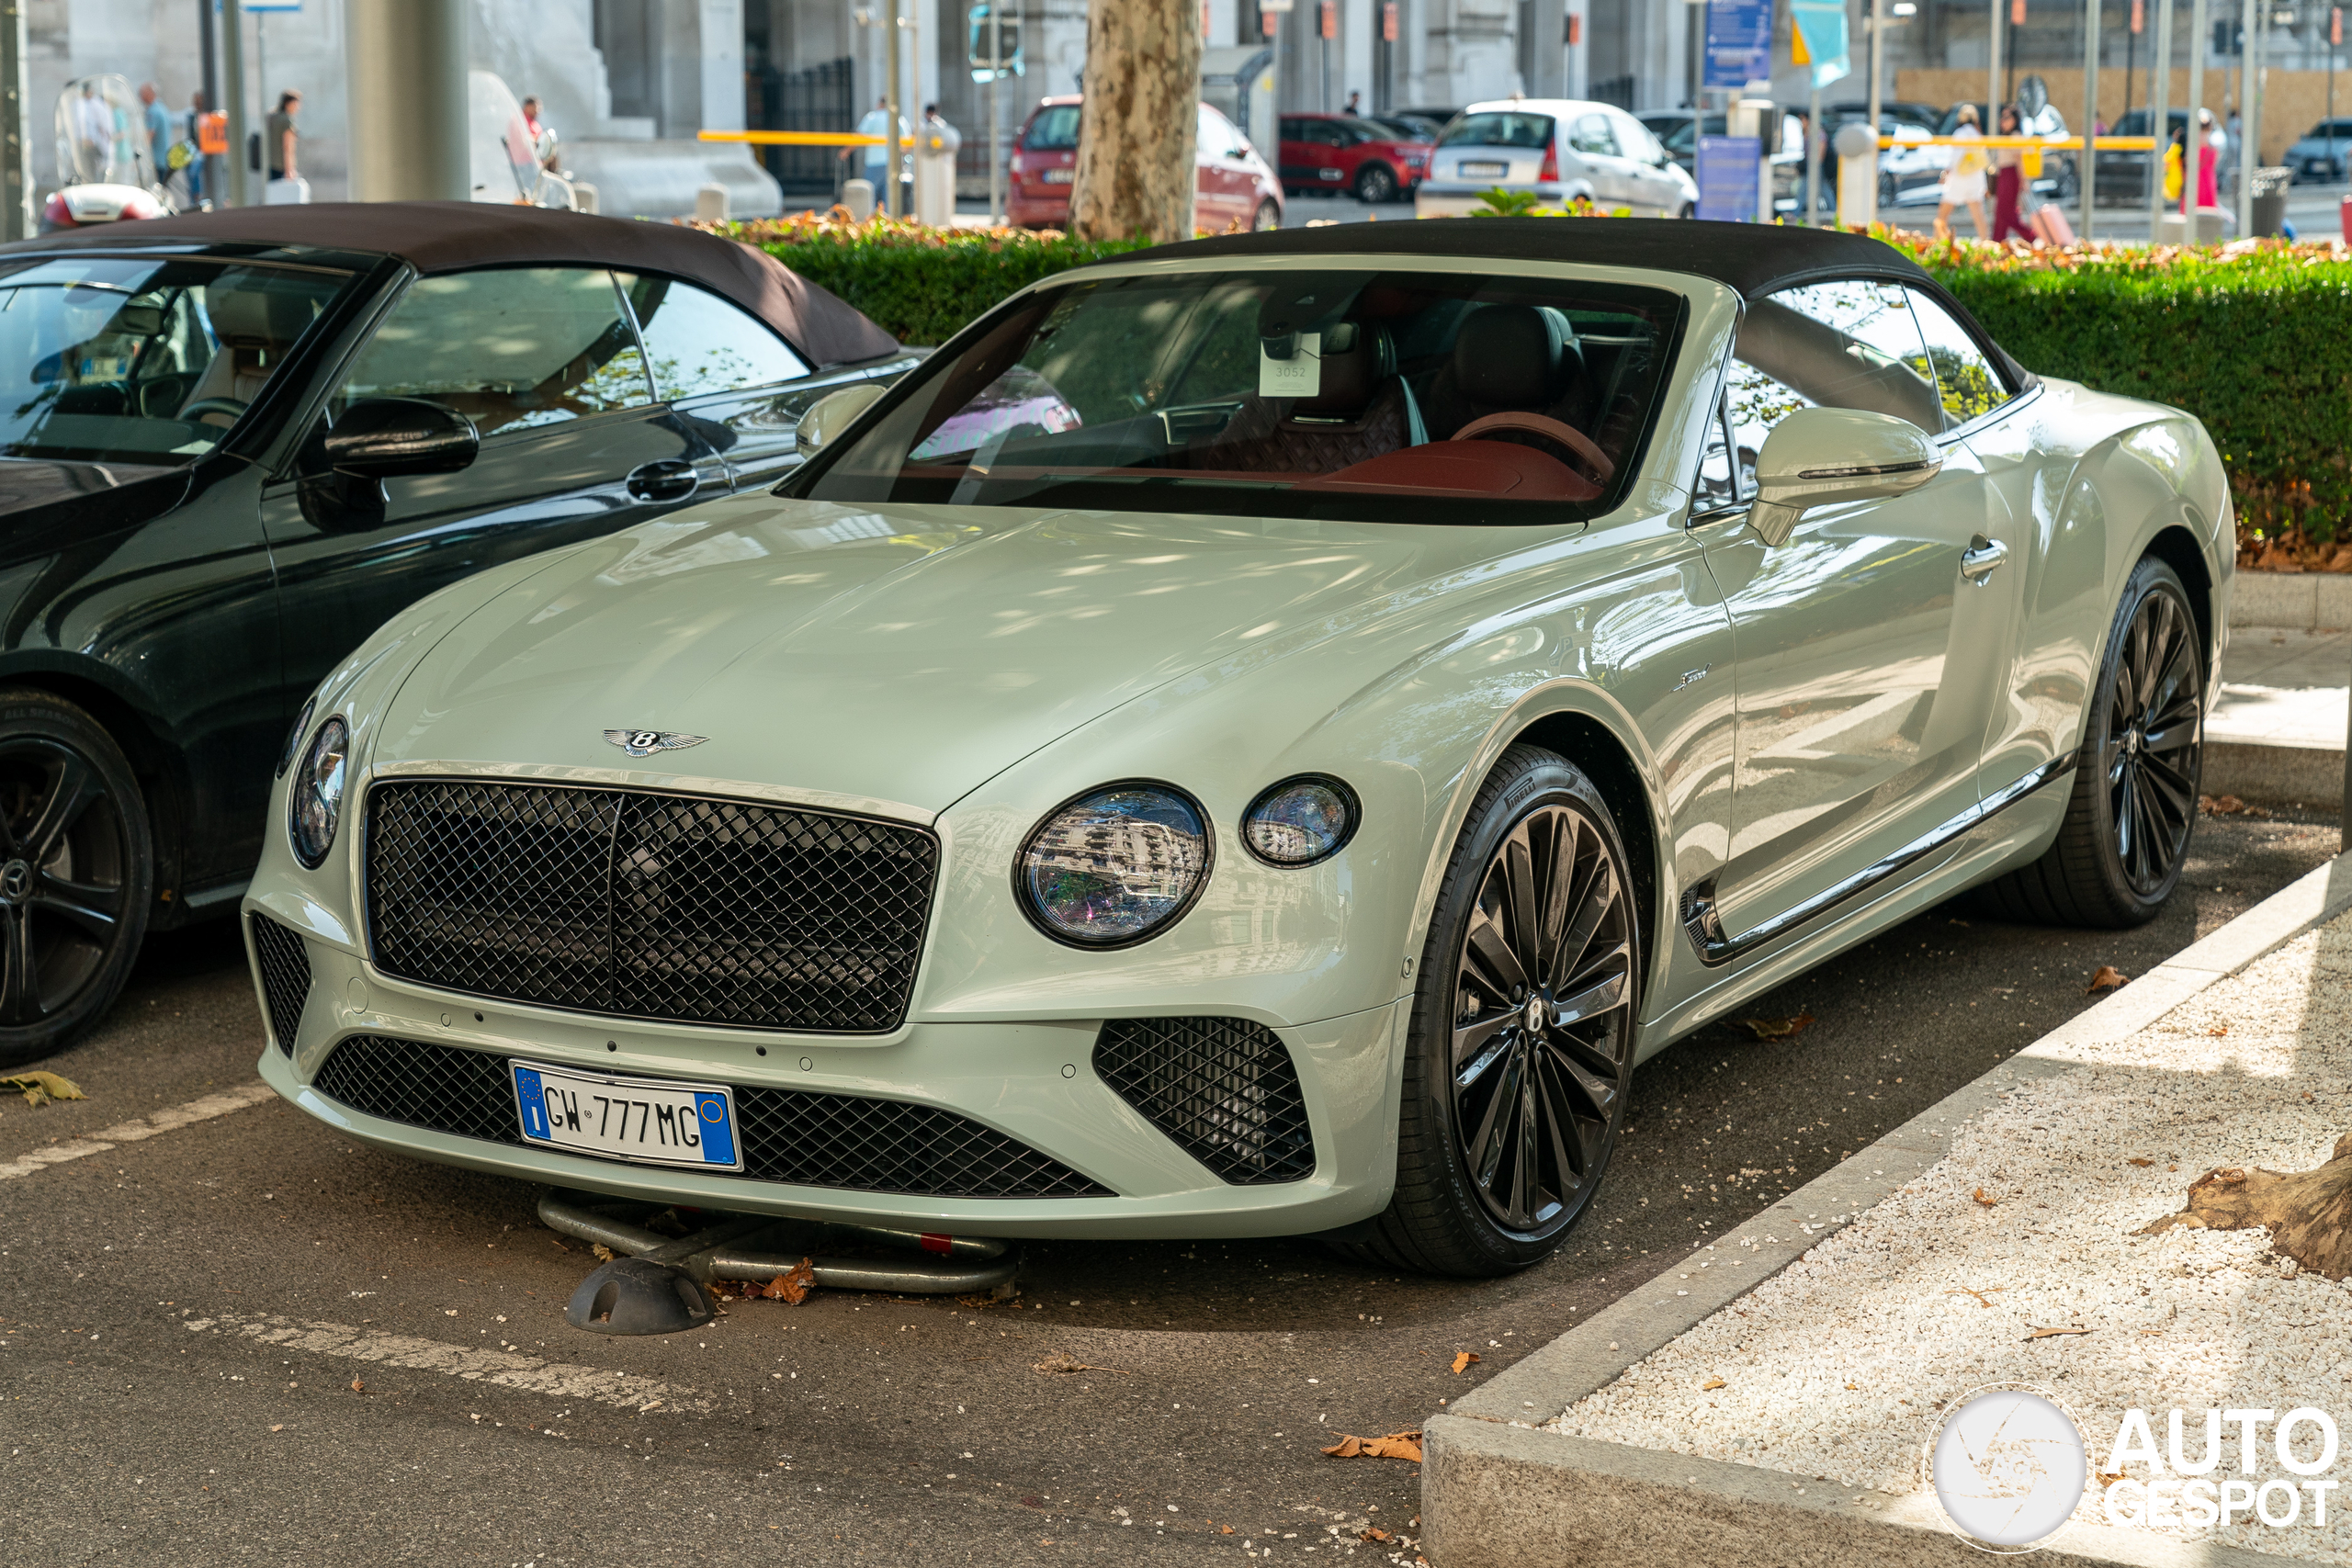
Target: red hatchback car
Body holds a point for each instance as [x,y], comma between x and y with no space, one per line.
[1235,185]
[1340,151]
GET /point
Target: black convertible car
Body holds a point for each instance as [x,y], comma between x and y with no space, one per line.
[231,444]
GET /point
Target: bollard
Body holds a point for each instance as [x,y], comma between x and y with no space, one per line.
[858,197]
[710,204]
[1857,147]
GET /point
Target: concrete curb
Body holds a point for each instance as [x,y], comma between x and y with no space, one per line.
[2302,601]
[2275,775]
[1495,1494]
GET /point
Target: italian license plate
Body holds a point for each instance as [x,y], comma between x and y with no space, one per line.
[649,1121]
[1060,176]
[1483,170]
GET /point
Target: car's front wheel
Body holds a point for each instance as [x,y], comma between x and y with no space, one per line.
[2134,807]
[76,873]
[1268,215]
[1519,1050]
[1376,183]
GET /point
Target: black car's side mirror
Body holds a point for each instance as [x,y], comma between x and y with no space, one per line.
[384,438]
[343,468]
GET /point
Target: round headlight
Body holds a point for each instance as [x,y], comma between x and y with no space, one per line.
[294,737]
[314,800]
[1114,866]
[1300,821]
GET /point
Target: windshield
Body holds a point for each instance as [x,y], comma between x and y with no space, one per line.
[1054,131]
[1507,130]
[1361,395]
[133,360]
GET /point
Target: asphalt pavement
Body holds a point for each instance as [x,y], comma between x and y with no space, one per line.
[246,1339]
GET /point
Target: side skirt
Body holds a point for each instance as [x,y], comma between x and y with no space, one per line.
[1716,949]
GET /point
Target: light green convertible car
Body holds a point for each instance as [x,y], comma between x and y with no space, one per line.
[1256,737]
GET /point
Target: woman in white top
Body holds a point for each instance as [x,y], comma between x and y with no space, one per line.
[1963,184]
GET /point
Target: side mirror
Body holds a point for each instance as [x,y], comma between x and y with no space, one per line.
[384,438]
[831,414]
[1824,456]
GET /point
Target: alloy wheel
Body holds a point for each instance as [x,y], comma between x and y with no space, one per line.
[1543,1020]
[2154,736]
[1376,185]
[65,865]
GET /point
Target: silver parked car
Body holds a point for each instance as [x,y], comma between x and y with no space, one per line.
[1560,149]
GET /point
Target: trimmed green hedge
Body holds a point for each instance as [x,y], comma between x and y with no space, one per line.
[922,285]
[2254,339]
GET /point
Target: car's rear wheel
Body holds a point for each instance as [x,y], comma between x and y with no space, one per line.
[2133,810]
[1376,183]
[1268,215]
[1519,1049]
[76,873]
[1689,210]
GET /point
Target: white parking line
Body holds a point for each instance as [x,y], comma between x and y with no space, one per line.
[249,1093]
[531,1374]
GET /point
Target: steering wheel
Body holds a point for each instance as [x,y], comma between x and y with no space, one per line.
[1583,454]
[232,407]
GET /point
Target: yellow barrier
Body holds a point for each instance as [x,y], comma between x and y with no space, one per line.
[2033,147]
[793,138]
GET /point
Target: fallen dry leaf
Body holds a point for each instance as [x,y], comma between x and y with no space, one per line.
[1057,1365]
[1372,1533]
[1776,1027]
[1989,1203]
[604,1254]
[2143,1163]
[2107,1478]
[1980,1295]
[1395,1445]
[2053,1333]
[1711,1382]
[1463,1358]
[2219,1030]
[39,1088]
[359,1387]
[792,1286]
[2107,977]
[2220,806]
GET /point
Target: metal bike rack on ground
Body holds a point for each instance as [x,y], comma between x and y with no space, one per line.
[657,1284]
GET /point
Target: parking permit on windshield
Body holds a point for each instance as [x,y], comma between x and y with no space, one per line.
[647,1121]
[1300,375]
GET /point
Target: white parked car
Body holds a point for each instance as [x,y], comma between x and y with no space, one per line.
[1559,148]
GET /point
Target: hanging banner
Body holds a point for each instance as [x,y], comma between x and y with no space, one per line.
[1739,43]
[1820,39]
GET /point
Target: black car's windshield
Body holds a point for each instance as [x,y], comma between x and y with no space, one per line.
[1367,395]
[141,360]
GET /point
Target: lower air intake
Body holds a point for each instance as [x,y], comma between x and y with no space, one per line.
[1223,1087]
[285,967]
[787,1135]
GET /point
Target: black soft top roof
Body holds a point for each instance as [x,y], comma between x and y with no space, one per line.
[1752,259]
[451,236]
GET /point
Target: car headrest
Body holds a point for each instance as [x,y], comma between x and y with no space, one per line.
[248,313]
[1515,356]
[1356,360]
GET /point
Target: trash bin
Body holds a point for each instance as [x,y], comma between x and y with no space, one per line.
[2270,200]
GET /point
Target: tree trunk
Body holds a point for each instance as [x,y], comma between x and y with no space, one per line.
[2308,1212]
[1137,131]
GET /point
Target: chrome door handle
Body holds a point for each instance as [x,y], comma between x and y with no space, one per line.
[1978,561]
[668,478]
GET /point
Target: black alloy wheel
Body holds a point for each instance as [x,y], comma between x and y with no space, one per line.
[1376,183]
[1521,1052]
[2151,754]
[76,873]
[2132,806]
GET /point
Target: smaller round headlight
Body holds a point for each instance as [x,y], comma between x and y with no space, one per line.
[314,800]
[294,737]
[1300,821]
[1113,865]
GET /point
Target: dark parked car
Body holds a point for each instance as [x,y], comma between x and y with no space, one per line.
[2124,177]
[234,443]
[2322,153]
[1336,152]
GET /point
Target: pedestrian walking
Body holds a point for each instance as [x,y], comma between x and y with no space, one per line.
[93,125]
[2211,142]
[159,128]
[544,143]
[278,138]
[1964,183]
[1355,103]
[196,165]
[2008,180]
[876,161]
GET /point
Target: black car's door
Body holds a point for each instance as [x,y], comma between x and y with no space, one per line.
[742,387]
[547,363]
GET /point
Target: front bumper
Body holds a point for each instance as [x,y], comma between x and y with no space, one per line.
[1035,1082]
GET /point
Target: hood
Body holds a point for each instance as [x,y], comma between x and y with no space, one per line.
[898,656]
[27,482]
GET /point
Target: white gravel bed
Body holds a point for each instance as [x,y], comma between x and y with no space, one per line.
[1834,1370]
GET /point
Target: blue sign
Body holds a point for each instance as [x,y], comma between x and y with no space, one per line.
[1729,167]
[1739,43]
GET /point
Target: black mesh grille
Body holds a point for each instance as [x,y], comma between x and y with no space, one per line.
[810,1140]
[285,977]
[649,906]
[1223,1087]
